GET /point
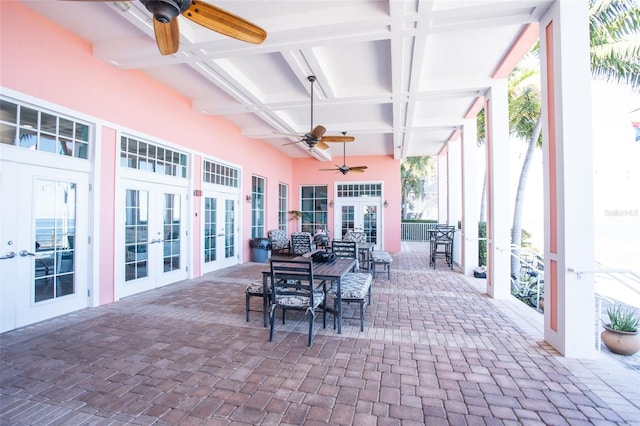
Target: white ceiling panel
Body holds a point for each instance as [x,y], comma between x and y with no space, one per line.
[399,75]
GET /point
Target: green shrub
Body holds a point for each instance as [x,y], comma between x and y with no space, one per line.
[482,244]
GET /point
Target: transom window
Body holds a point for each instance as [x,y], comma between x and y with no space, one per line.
[219,174]
[141,155]
[359,190]
[40,130]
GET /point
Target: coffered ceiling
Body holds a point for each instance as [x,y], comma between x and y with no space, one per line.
[398,75]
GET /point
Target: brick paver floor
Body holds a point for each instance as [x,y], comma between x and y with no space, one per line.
[435,350]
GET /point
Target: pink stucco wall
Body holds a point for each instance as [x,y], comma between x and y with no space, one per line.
[385,169]
[40,59]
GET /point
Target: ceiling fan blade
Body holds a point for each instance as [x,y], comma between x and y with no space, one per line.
[167,36]
[293,143]
[338,139]
[223,22]
[329,170]
[318,131]
[358,168]
[322,145]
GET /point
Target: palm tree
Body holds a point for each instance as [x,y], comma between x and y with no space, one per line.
[525,122]
[413,170]
[615,48]
[615,57]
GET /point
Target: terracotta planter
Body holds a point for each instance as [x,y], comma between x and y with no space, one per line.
[541,304]
[621,342]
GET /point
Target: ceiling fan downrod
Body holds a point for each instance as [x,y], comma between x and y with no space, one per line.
[312,79]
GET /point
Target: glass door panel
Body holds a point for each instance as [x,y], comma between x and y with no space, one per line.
[55,223]
[219,231]
[136,244]
[359,216]
[152,239]
[43,268]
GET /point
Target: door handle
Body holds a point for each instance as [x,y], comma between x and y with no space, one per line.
[9,255]
[221,235]
[25,253]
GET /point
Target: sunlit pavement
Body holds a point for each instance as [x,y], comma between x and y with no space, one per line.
[435,350]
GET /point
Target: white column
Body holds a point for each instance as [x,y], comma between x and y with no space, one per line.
[453,181]
[442,188]
[568,179]
[498,211]
[470,197]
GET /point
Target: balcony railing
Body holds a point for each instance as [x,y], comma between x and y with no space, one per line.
[417,231]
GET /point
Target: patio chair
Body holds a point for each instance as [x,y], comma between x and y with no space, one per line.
[321,238]
[306,295]
[301,243]
[346,249]
[280,243]
[442,244]
[255,289]
[357,236]
[354,286]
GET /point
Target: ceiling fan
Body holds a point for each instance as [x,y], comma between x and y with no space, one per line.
[167,30]
[344,169]
[316,138]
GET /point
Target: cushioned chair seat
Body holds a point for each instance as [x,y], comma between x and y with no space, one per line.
[297,301]
[354,285]
[354,288]
[381,258]
[254,289]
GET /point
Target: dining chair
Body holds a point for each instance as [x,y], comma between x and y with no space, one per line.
[357,236]
[255,289]
[346,249]
[280,243]
[442,244]
[355,286]
[301,243]
[307,294]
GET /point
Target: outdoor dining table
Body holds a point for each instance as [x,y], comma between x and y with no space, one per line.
[333,272]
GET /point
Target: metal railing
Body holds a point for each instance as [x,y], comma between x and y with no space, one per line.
[416,231]
[528,286]
[626,277]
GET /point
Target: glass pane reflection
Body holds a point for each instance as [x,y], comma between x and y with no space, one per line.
[54,227]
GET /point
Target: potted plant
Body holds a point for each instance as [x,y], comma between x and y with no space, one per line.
[295,214]
[620,336]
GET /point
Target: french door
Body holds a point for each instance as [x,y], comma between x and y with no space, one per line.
[43,243]
[219,231]
[361,216]
[151,242]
